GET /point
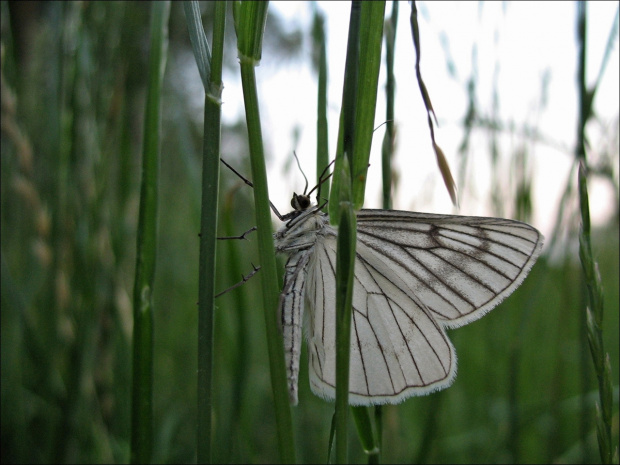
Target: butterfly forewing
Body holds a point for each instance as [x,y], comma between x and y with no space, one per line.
[460,267]
[415,274]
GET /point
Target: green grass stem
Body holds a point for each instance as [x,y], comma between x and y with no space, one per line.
[387,150]
[370,43]
[322,139]
[142,393]
[340,209]
[211,74]
[345,272]
[368,439]
[594,309]
[249,24]
[355,138]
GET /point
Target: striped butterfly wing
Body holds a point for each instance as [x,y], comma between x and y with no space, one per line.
[291,312]
[297,238]
[396,345]
[415,274]
[459,266]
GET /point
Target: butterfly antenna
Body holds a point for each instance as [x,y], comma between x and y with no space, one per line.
[324,177]
[302,172]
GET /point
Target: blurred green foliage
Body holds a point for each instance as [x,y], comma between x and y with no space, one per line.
[73,86]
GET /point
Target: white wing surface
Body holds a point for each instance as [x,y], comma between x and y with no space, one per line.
[415,274]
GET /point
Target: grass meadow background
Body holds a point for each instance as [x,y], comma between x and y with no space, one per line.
[74,80]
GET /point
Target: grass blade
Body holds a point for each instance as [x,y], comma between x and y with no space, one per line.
[370,43]
[322,140]
[212,81]
[345,267]
[142,394]
[249,24]
[594,309]
[442,163]
[354,141]
[390,90]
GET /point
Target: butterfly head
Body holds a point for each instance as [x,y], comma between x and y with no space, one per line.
[300,202]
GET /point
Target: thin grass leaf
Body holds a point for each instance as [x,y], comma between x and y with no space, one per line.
[611,41]
[442,163]
[370,43]
[372,23]
[142,394]
[217,62]
[199,41]
[359,97]
[389,138]
[337,178]
[444,169]
[322,139]
[332,436]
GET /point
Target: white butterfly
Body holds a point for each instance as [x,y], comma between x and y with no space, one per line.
[415,275]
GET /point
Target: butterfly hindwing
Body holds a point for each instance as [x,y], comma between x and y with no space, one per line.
[291,313]
[397,349]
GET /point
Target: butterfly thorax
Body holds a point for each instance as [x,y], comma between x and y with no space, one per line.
[301,231]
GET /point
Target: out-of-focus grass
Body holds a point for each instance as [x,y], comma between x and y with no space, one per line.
[69,191]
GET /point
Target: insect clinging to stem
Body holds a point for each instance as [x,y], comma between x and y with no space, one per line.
[416,275]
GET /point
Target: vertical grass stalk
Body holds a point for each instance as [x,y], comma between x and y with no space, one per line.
[387,149]
[322,143]
[594,310]
[370,44]
[210,69]
[249,24]
[340,209]
[355,138]
[345,271]
[142,390]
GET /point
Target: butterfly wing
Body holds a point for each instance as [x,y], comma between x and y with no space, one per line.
[397,348]
[291,311]
[415,274]
[297,239]
[459,266]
